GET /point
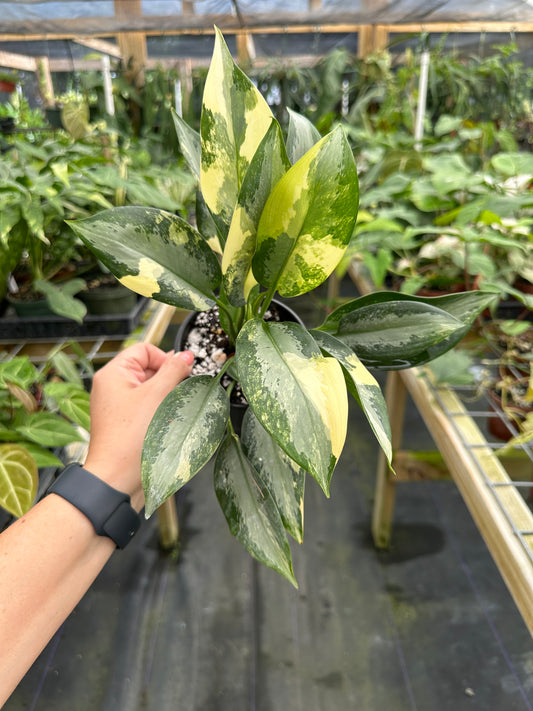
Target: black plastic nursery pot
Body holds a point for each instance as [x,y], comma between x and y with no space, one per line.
[237,409]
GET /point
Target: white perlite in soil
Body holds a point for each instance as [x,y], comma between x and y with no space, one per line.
[211,347]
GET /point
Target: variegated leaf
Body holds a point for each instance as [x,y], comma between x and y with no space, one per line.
[308,219]
[363,386]
[283,478]
[235,117]
[184,433]
[19,479]
[433,326]
[301,136]
[396,334]
[154,253]
[297,394]
[250,511]
[268,165]
[190,143]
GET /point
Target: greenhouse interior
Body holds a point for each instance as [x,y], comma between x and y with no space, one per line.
[201,347]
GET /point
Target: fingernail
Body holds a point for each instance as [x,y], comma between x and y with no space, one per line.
[187,356]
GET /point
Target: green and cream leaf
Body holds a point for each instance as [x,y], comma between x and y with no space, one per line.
[183,435]
[250,511]
[297,394]
[267,167]
[283,478]
[308,219]
[301,135]
[235,117]
[363,386]
[154,253]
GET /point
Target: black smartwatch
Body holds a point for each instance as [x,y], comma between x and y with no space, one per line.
[108,510]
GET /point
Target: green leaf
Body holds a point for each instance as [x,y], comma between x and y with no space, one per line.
[235,117]
[301,135]
[250,511]
[65,367]
[184,433]
[155,254]
[267,167]
[190,143]
[283,478]
[19,479]
[308,219]
[363,386]
[395,331]
[43,457]
[19,371]
[72,401]
[61,300]
[511,164]
[297,394]
[48,429]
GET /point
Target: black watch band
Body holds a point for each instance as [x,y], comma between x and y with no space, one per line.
[108,509]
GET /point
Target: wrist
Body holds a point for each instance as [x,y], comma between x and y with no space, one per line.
[117,472]
[108,509]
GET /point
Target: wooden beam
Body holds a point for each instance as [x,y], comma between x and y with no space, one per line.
[17,61]
[203,25]
[99,46]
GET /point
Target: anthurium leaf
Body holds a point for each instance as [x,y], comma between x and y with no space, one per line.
[461,308]
[268,165]
[190,143]
[250,511]
[72,401]
[19,479]
[283,478]
[308,219]
[65,367]
[184,433]
[48,429]
[154,253]
[363,386]
[235,117]
[61,300]
[297,394]
[301,135]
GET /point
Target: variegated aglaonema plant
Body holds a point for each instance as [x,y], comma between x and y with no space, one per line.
[273,217]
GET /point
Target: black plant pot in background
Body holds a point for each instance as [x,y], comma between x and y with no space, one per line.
[237,409]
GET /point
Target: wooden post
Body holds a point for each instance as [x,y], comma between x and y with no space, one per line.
[395,396]
[44,77]
[245,49]
[372,37]
[132,44]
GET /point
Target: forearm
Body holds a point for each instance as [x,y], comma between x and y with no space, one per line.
[48,560]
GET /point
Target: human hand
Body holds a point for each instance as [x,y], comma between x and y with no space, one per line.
[125,394]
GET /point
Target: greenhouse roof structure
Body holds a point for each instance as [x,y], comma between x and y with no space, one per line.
[66,34]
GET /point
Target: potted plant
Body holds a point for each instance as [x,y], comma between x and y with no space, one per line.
[280,214]
[41,410]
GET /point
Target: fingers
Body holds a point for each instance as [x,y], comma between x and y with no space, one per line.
[175,369]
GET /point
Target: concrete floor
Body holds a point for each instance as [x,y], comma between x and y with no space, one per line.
[426,626]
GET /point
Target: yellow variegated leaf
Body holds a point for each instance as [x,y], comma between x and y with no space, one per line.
[308,219]
[235,117]
[268,165]
[297,394]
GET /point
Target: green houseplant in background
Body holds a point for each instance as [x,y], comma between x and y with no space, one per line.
[282,214]
[41,410]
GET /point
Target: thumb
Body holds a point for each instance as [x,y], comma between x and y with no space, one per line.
[175,369]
